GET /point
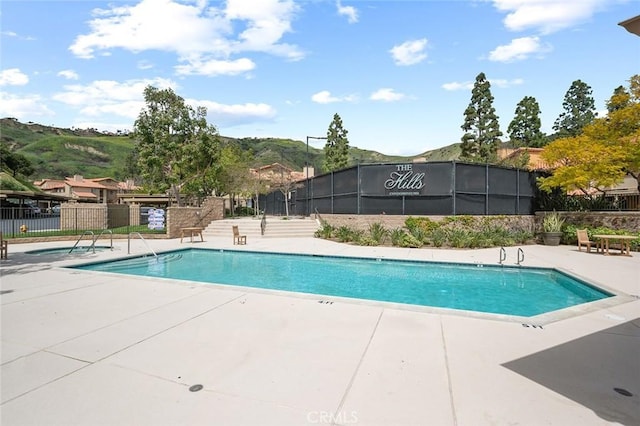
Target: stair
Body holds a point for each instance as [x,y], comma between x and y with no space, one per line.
[277,227]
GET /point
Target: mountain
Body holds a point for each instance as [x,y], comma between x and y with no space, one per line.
[57,153]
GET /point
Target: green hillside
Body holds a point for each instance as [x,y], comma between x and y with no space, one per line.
[57,153]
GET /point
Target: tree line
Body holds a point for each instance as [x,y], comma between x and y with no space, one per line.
[177,151]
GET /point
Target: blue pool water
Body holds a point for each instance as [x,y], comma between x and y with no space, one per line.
[65,250]
[493,289]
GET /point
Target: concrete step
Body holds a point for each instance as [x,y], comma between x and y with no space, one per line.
[277,227]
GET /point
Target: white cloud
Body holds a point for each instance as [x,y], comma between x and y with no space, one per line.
[266,23]
[215,67]
[518,49]
[109,97]
[144,65]
[237,114]
[504,84]
[13,77]
[410,52]
[468,85]
[453,86]
[198,34]
[349,11]
[325,97]
[69,74]
[23,107]
[546,16]
[386,95]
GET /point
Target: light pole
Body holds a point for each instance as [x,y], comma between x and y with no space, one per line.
[307,167]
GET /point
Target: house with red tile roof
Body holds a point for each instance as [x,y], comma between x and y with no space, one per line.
[95,190]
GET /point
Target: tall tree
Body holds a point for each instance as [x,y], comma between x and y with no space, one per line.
[175,145]
[235,176]
[336,149]
[579,110]
[524,129]
[601,156]
[620,99]
[482,130]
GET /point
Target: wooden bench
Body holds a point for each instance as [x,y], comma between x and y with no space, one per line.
[191,232]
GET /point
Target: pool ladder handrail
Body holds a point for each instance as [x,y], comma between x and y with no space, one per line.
[80,238]
[503,256]
[143,240]
[96,237]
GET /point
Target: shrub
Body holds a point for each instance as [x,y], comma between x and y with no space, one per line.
[423,223]
[397,237]
[378,233]
[326,231]
[552,222]
[438,237]
[344,234]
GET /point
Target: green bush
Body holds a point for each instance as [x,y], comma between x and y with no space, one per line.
[423,224]
[326,231]
[344,234]
[397,237]
[378,233]
[438,237]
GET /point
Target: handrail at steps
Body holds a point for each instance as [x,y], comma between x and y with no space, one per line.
[319,218]
[263,224]
[143,240]
[83,234]
[95,238]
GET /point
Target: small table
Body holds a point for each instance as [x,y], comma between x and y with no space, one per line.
[625,243]
[191,232]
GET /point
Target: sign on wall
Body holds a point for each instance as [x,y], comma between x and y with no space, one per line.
[405,181]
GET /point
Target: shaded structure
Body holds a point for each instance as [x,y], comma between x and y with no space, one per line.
[434,188]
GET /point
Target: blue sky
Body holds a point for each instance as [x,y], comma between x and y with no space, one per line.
[399,73]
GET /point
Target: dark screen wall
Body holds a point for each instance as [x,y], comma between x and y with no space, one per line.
[435,188]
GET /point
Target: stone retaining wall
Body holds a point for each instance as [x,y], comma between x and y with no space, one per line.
[190,217]
[628,220]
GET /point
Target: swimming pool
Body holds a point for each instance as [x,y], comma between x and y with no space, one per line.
[520,291]
[66,250]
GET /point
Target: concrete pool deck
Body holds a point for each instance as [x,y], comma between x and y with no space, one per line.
[83,348]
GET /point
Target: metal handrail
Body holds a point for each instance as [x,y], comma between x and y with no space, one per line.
[520,259]
[263,224]
[95,238]
[81,236]
[143,240]
[318,217]
[503,255]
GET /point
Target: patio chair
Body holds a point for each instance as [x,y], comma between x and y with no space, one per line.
[4,248]
[237,238]
[583,240]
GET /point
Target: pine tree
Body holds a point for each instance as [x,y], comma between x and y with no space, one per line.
[482,131]
[524,129]
[336,149]
[579,110]
[620,99]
